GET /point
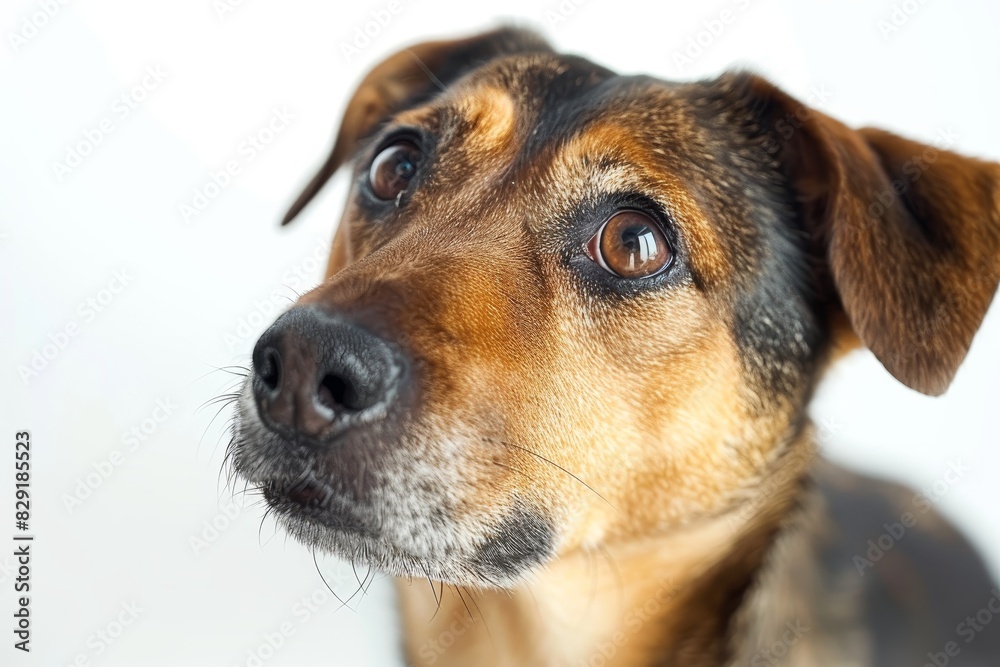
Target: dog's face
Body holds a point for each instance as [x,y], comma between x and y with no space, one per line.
[567,308]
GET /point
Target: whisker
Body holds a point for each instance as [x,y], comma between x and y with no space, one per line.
[325,583]
[513,469]
[486,625]
[483,576]
[372,573]
[427,70]
[616,570]
[359,589]
[267,512]
[241,371]
[593,582]
[356,577]
[553,463]
[465,604]
[201,440]
[221,398]
[437,599]
[227,467]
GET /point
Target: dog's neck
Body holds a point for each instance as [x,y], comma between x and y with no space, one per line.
[661,600]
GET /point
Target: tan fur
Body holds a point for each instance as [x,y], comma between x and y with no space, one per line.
[616,604]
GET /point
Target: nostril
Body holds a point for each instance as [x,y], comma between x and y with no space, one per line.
[269,369]
[334,392]
[316,374]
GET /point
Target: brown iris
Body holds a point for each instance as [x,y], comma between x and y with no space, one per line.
[630,245]
[393,168]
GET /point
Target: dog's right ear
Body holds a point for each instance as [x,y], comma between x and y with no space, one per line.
[909,234]
[406,78]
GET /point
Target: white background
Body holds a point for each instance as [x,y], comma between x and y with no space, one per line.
[192,284]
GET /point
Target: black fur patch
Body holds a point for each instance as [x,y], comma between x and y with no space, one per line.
[521,541]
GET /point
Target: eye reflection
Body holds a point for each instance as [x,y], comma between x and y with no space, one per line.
[630,245]
[393,168]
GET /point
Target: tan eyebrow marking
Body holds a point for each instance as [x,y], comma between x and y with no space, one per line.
[575,173]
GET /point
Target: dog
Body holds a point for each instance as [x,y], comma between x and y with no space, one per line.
[556,379]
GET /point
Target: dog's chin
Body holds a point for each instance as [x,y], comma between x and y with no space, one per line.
[368,550]
[505,558]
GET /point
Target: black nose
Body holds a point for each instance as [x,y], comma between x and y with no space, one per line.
[316,374]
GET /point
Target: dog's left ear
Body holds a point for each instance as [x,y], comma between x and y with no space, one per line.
[909,233]
[404,79]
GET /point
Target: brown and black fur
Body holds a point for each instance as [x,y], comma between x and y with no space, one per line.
[595,471]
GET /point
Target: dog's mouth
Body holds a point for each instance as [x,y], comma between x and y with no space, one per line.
[312,500]
[307,495]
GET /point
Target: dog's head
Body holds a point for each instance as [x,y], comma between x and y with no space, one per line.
[566,307]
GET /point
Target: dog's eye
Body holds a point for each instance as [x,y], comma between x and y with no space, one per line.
[393,168]
[630,245]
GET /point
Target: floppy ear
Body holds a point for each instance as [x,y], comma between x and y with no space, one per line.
[909,233]
[406,78]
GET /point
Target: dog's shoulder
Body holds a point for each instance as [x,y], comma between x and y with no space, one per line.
[868,572]
[919,579]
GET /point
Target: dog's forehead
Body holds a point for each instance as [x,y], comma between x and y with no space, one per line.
[549,133]
[546,100]
[538,102]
